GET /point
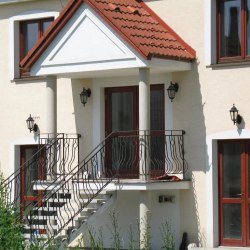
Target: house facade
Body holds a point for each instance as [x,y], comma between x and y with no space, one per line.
[95,78]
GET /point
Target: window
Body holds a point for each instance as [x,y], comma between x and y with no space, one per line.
[233,30]
[30,32]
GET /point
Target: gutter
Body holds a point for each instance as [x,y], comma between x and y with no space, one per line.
[6,2]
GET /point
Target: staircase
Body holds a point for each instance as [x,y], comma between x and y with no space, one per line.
[70,193]
[59,207]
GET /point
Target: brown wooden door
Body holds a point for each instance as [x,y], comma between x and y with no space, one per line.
[234,192]
[32,169]
[122,115]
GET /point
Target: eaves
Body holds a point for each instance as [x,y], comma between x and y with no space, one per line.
[5,2]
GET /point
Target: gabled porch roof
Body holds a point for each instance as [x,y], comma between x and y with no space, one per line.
[134,23]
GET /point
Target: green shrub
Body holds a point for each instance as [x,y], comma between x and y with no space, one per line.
[167,235]
[11,230]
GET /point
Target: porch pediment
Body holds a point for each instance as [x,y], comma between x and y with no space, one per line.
[86,44]
[93,36]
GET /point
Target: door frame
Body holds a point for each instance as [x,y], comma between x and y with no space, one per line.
[244,200]
[108,124]
[108,128]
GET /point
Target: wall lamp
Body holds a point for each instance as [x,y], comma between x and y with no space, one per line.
[235,117]
[172,89]
[85,94]
[32,126]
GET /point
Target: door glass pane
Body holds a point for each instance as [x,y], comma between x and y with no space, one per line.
[248,26]
[31,171]
[232,170]
[122,111]
[230,28]
[156,110]
[30,37]
[232,221]
[157,141]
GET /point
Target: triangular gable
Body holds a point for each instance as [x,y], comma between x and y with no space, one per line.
[133,20]
[85,36]
[85,44]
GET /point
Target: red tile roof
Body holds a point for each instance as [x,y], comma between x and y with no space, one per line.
[133,20]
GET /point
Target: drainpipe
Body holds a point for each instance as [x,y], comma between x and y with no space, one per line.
[51,100]
[144,125]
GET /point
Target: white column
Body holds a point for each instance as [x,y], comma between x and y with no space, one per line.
[145,227]
[144,120]
[144,125]
[51,99]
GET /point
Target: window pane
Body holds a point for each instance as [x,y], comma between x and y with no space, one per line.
[248,26]
[230,28]
[46,25]
[30,37]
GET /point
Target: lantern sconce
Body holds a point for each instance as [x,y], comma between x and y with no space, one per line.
[32,126]
[235,116]
[85,94]
[172,89]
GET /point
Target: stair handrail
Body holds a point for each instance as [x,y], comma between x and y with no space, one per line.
[75,172]
[54,186]
[80,171]
[7,183]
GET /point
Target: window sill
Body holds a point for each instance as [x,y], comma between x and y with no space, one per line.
[28,79]
[230,64]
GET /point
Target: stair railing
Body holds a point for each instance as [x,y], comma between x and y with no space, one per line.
[40,165]
[62,200]
[119,155]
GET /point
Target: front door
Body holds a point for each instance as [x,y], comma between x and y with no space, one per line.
[234,191]
[32,169]
[122,115]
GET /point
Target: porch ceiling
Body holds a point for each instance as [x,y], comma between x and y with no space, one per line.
[107,37]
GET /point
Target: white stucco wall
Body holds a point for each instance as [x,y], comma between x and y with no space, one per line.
[128,213]
[19,99]
[201,108]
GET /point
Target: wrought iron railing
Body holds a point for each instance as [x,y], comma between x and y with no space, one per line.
[53,157]
[151,153]
[132,154]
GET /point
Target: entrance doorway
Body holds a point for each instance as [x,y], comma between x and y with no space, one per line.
[234,191]
[122,115]
[32,169]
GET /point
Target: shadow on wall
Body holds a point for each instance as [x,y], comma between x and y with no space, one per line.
[83,116]
[189,115]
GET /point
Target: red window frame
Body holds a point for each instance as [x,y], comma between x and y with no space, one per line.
[243,56]
[41,31]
